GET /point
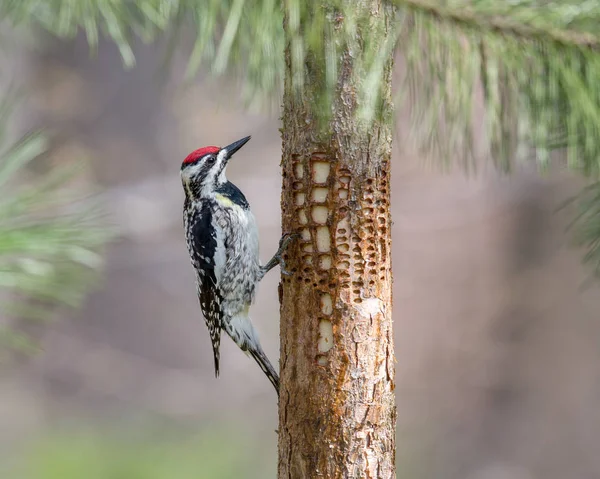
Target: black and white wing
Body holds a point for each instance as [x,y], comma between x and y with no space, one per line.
[202,242]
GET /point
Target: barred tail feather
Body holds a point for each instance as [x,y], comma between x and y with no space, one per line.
[261,358]
[216,358]
[215,339]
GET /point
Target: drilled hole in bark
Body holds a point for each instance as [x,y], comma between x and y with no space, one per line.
[302,217]
[307,280]
[307,259]
[320,171]
[299,170]
[326,304]
[369,230]
[322,360]
[297,185]
[345,179]
[305,234]
[323,240]
[325,261]
[322,282]
[343,210]
[307,248]
[342,231]
[343,265]
[343,247]
[343,194]
[299,198]
[344,274]
[319,195]
[319,215]
[325,336]
[368,211]
[357,300]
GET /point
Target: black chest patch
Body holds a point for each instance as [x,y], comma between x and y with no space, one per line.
[233,193]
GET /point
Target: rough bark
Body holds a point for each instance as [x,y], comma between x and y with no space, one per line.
[337,410]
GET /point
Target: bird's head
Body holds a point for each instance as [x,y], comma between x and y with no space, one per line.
[203,170]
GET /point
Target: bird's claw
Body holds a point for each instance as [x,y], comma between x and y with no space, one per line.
[285,240]
[282,268]
[277,258]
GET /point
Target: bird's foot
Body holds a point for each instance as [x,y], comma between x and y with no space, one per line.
[277,258]
[285,240]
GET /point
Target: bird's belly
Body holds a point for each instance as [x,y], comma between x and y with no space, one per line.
[237,248]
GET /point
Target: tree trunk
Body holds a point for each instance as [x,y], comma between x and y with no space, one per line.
[337,411]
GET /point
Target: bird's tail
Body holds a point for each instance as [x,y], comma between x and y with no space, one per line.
[216,342]
[261,358]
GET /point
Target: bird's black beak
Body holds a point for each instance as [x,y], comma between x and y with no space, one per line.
[235,146]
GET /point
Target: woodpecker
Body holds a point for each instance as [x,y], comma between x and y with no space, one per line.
[222,240]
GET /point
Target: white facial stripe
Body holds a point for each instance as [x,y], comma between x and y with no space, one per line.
[221,158]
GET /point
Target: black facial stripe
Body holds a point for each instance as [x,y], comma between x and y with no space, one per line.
[203,159]
[221,168]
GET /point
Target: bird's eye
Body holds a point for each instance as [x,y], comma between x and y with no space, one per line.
[211,159]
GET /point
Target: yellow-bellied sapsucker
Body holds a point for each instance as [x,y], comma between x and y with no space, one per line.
[222,239]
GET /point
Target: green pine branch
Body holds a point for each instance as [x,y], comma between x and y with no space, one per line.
[51,237]
[571,24]
[530,67]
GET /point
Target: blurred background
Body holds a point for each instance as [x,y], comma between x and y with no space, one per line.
[497,345]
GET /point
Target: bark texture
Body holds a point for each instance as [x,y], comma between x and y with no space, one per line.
[337,410]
